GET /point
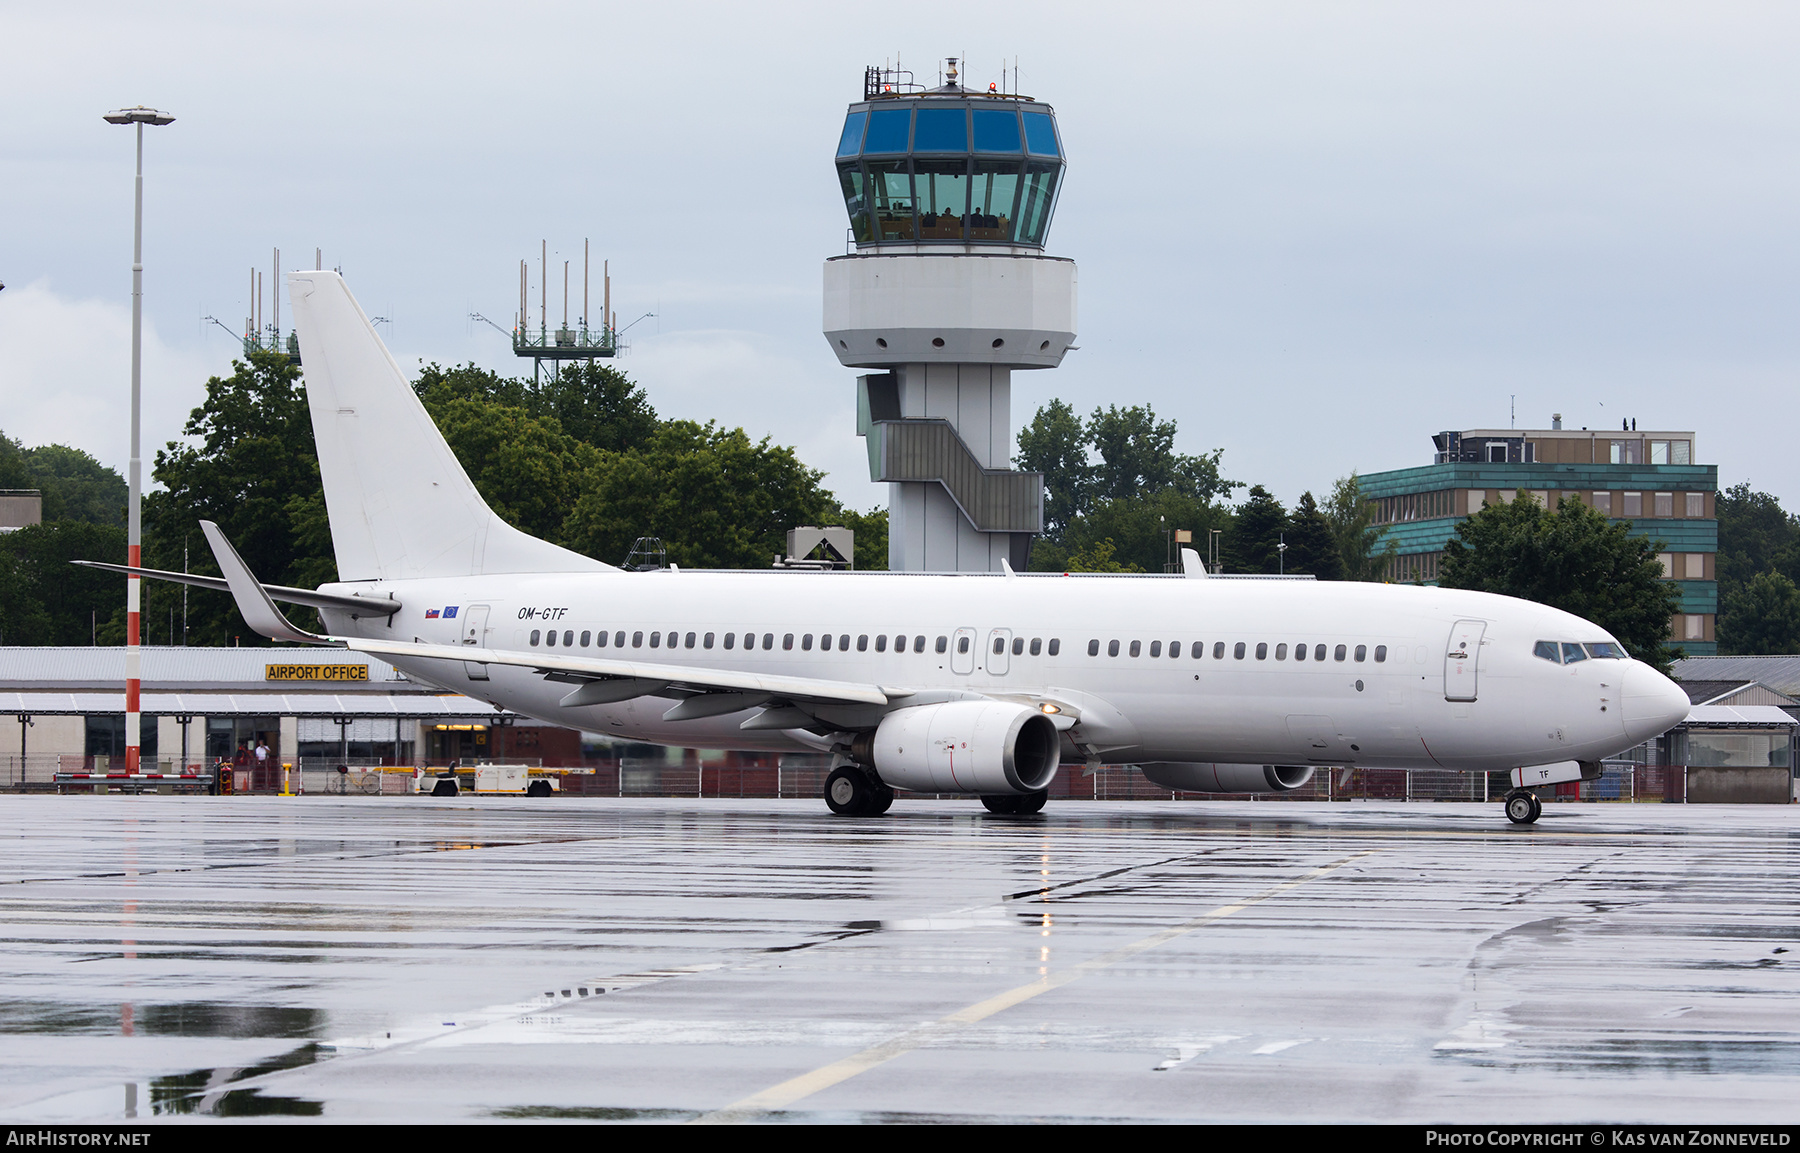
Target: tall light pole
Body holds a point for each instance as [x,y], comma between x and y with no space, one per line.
[134,553]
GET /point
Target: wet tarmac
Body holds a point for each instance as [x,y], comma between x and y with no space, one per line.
[664,960]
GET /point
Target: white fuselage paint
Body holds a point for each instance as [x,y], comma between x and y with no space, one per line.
[1392,713]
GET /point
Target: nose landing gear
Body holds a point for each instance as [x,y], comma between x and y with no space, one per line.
[1523,807]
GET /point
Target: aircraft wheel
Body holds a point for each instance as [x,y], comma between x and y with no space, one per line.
[849,793]
[1522,808]
[1002,804]
[1032,802]
[882,802]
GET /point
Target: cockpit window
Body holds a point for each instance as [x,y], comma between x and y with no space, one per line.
[1607,651]
[1573,653]
[1548,651]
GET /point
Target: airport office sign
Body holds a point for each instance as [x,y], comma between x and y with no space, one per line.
[315,672]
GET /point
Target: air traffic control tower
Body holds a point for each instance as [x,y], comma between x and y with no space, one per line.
[950,192]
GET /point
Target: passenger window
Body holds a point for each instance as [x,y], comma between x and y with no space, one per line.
[1018,645]
[1262,652]
[787,641]
[862,643]
[1281,652]
[881,643]
[769,640]
[619,639]
[707,641]
[550,638]
[536,635]
[1037,645]
[825,642]
[586,636]
[688,642]
[600,639]
[999,645]
[1319,653]
[943,643]
[919,644]
[1093,646]
[1238,652]
[1300,652]
[805,643]
[637,640]
[1218,650]
[1338,653]
[1055,645]
[1112,648]
[730,639]
[1572,653]
[1380,653]
[1174,648]
[1156,648]
[1362,652]
[656,640]
[843,642]
[1137,647]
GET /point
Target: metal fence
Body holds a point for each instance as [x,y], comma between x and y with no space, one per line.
[803,776]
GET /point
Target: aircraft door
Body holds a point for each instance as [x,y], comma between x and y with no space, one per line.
[474,632]
[1461,659]
[962,652]
[999,640]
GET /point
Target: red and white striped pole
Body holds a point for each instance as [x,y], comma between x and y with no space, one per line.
[134,540]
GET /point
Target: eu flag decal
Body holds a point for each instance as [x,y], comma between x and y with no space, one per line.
[450,612]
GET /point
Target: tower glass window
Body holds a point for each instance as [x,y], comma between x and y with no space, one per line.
[950,169]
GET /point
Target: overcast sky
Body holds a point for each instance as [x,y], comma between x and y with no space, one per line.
[1312,234]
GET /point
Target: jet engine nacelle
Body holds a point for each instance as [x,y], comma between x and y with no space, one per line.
[964,747]
[1195,777]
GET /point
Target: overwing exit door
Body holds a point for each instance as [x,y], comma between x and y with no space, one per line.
[474,632]
[1462,659]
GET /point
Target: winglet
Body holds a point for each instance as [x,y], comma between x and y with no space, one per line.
[1191,566]
[252,599]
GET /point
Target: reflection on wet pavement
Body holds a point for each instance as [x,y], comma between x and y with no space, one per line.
[660,960]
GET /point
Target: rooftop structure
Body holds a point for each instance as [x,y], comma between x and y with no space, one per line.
[1649,479]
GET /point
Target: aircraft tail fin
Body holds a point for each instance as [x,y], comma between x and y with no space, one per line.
[400,504]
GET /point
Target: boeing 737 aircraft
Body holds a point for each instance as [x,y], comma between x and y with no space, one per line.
[979,684]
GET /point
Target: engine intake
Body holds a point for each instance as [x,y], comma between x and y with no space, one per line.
[964,747]
[1195,777]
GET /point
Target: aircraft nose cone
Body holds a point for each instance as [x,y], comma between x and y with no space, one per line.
[1654,704]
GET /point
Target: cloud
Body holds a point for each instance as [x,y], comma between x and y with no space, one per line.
[65,376]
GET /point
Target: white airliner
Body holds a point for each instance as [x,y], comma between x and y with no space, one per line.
[979,684]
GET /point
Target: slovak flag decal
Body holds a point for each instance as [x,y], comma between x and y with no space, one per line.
[431,614]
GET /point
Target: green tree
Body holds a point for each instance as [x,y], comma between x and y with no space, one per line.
[1572,559]
[1361,552]
[871,529]
[525,467]
[1761,617]
[1141,529]
[255,472]
[1055,443]
[45,600]
[1312,548]
[1250,542]
[74,485]
[1097,557]
[716,498]
[593,403]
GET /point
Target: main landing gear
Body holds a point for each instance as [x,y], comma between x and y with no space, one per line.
[850,791]
[1523,807]
[1015,804]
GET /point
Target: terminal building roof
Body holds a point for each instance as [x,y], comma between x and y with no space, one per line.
[199,670]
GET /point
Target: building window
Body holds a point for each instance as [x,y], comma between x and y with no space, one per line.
[1694,566]
[1634,505]
[1681,452]
[1695,627]
[1665,504]
[1667,561]
[1659,452]
[1696,503]
[1628,452]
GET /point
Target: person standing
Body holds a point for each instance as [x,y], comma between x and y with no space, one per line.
[263,778]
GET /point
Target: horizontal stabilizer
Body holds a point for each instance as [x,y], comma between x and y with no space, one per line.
[354,605]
